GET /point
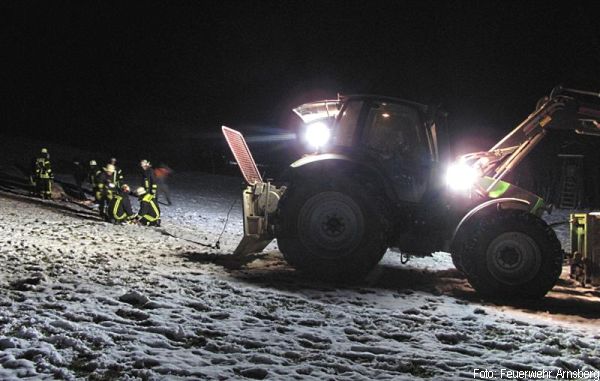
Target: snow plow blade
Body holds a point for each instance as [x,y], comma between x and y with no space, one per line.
[259,199]
[251,245]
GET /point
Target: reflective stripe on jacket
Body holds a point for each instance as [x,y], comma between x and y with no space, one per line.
[115,209]
[149,181]
[43,170]
[121,204]
[117,177]
[148,208]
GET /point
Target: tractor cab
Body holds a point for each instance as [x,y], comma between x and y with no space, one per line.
[399,139]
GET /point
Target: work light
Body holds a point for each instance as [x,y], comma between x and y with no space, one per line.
[317,134]
[460,176]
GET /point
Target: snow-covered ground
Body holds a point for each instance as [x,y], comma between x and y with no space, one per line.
[81,298]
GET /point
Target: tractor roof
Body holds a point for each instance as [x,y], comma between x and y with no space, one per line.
[421,106]
[328,108]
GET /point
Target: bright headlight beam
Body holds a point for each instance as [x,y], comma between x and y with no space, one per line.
[317,134]
[461,176]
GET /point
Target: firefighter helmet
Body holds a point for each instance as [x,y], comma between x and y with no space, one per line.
[140,191]
[93,162]
[44,150]
[109,168]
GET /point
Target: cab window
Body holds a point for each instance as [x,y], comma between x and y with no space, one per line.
[393,129]
[347,123]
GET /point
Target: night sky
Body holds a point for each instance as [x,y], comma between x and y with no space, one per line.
[105,74]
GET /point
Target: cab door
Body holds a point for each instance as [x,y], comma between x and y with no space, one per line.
[394,136]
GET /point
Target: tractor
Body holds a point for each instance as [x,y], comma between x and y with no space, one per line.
[380,177]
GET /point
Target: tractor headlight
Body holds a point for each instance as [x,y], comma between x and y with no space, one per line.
[461,176]
[317,134]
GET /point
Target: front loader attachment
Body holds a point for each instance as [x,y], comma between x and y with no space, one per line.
[260,199]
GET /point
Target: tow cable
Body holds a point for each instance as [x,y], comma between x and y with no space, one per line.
[217,244]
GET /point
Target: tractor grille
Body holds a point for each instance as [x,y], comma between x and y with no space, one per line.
[242,155]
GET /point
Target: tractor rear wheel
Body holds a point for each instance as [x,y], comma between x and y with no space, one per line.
[335,228]
[512,254]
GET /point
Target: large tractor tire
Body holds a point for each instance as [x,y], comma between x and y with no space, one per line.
[458,246]
[332,229]
[464,234]
[456,256]
[512,253]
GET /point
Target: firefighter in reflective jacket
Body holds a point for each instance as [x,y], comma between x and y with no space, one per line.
[148,180]
[105,189]
[42,176]
[118,174]
[119,207]
[93,173]
[149,213]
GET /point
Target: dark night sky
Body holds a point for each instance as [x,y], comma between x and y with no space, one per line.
[91,72]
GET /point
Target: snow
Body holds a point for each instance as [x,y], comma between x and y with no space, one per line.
[81,298]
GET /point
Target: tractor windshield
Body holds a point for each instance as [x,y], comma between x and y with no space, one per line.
[347,123]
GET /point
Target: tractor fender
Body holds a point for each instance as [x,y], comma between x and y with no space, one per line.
[509,202]
[335,162]
[319,158]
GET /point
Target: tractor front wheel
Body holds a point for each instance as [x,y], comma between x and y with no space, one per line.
[512,254]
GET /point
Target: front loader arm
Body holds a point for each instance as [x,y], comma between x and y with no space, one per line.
[563,109]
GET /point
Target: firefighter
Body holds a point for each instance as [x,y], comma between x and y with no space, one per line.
[149,213]
[161,174]
[118,174]
[148,179]
[79,174]
[93,172]
[42,177]
[119,207]
[104,189]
